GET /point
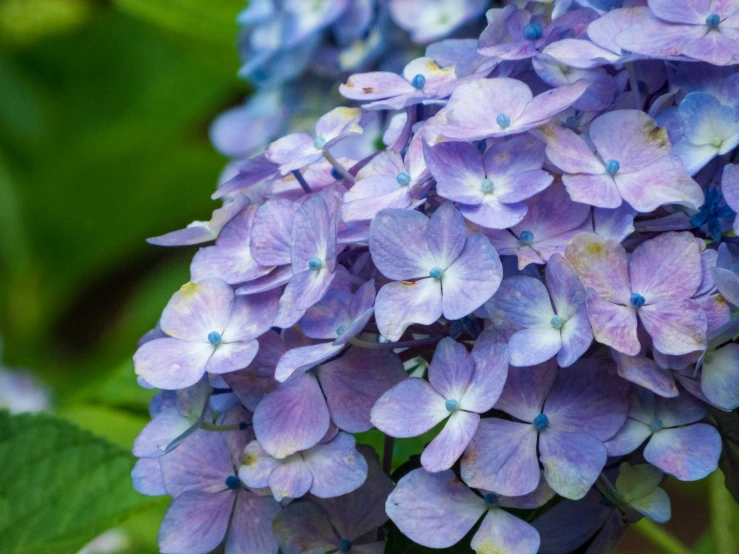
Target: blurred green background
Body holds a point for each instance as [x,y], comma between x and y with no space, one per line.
[104,114]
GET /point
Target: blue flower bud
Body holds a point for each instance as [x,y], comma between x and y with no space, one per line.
[486,185]
[335,174]
[541,422]
[419,81]
[451,405]
[713,20]
[503,120]
[557,322]
[233,482]
[403,178]
[314,264]
[637,300]
[436,272]
[656,425]
[533,31]
[612,167]
[491,499]
[214,337]
[340,330]
[345,545]
[319,143]
[526,237]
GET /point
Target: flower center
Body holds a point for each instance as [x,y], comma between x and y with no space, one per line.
[451,405]
[345,545]
[314,264]
[541,422]
[503,120]
[436,272]
[533,31]
[612,167]
[713,20]
[214,337]
[637,300]
[319,143]
[233,482]
[526,237]
[403,178]
[340,330]
[486,185]
[557,322]
[491,499]
[656,425]
[419,81]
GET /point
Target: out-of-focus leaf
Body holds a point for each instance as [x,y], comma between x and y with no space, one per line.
[214,21]
[60,486]
[118,426]
[728,426]
[24,21]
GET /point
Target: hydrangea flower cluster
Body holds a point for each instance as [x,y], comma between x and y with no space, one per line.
[536,276]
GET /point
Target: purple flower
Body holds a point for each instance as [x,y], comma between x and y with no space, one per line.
[656,283]
[429,20]
[676,443]
[209,329]
[387,181]
[174,416]
[460,387]
[437,510]
[339,315]
[547,326]
[343,524]
[296,415]
[631,151]
[329,469]
[299,150]
[569,412]
[454,273]
[550,223]
[730,190]
[210,503]
[422,81]
[497,107]
[490,187]
[701,30]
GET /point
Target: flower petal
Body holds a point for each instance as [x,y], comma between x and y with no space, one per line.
[450,443]
[504,533]
[688,453]
[196,522]
[336,466]
[409,409]
[403,302]
[572,461]
[197,309]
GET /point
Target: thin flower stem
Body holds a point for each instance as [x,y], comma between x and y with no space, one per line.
[658,536]
[337,166]
[303,183]
[634,83]
[222,428]
[722,517]
[387,454]
[394,345]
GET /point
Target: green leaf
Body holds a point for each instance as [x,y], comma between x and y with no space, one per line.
[214,21]
[60,486]
[728,425]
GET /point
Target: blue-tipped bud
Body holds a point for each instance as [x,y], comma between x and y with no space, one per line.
[491,499]
[214,337]
[233,482]
[656,425]
[557,322]
[451,405]
[533,31]
[526,237]
[314,264]
[345,545]
[637,300]
[403,178]
[503,120]
[340,330]
[612,167]
[335,174]
[541,422]
[436,273]
[713,20]
[486,185]
[319,143]
[571,122]
[481,146]
[419,81]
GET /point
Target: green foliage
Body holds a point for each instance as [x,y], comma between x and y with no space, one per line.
[60,486]
[728,426]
